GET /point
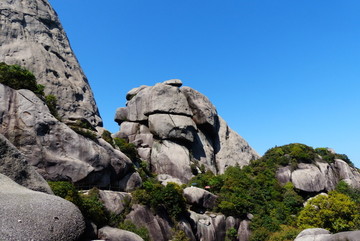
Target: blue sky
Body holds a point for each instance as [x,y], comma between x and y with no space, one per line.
[279,71]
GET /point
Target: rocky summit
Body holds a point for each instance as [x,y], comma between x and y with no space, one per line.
[175,170]
[178,131]
[32,36]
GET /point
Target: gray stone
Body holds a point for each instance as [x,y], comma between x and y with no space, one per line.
[121,115]
[200,197]
[54,148]
[283,175]
[308,178]
[166,179]
[346,236]
[244,230]
[114,234]
[134,92]
[14,165]
[32,36]
[349,174]
[167,99]
[170,158]
[159,228]
[130,182]
[31,215]
[173,127]
[173,82]
[115,202]
[233,149]
[204,112]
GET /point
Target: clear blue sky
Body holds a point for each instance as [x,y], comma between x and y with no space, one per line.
[278,71]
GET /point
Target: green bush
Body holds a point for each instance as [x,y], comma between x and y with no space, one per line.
[160,198]
[17,78]
[129,149]
[51,102]
[180,235]
[335,212]
[106,135]
[89,204]
[141,231]
[287,233]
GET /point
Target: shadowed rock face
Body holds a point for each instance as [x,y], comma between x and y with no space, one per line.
[178,130]
[57,152]
[32,36]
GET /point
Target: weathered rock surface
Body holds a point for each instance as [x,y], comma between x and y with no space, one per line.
[14,165]
[318,234]
[115,202]
[320,176]
[175,128]
[57,152]
[244,231]
[159,227]
[32,36]
[114,234]
[199,197]
[31,215]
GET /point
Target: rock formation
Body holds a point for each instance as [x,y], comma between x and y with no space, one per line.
[319,176]
[178,131]
[14,165]
[32,36]
[57,151]
[30,215]
[320,234]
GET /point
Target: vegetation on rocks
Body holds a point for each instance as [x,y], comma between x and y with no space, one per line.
[17,78]
[278,209]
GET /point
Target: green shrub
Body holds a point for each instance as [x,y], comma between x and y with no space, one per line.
[287,233]
[51,102]
[335,212]
[90,205]
[106,135]
[141,231]
[17,78]
[179,235]
[129,149]
[231,234]
[160,198]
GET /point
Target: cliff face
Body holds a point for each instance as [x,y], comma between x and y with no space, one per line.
[178,131]
[32,36]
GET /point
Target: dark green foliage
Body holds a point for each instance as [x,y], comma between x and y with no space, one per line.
[106,135]
[330,157]
[17,78]
[90,205]
[231,234]
[129,149]
[287,233]
[162,198]
[141,231]
[353,193]
[51,102]
[180,235]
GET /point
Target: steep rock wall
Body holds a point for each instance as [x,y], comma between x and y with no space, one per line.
[32,36]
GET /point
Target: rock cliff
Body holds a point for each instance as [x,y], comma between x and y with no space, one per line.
[178,131]
[53,148]
[32,36]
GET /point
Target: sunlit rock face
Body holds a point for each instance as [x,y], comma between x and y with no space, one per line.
[32,36]
[178,131]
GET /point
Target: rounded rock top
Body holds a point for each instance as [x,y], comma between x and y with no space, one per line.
[173,82]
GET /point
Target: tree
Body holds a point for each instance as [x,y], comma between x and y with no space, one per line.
[335,212]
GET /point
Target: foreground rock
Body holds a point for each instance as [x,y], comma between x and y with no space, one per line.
[14,165]
[30,215]
[57,152]
[114,234]
[319,234]
[32,36]
[178,131]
